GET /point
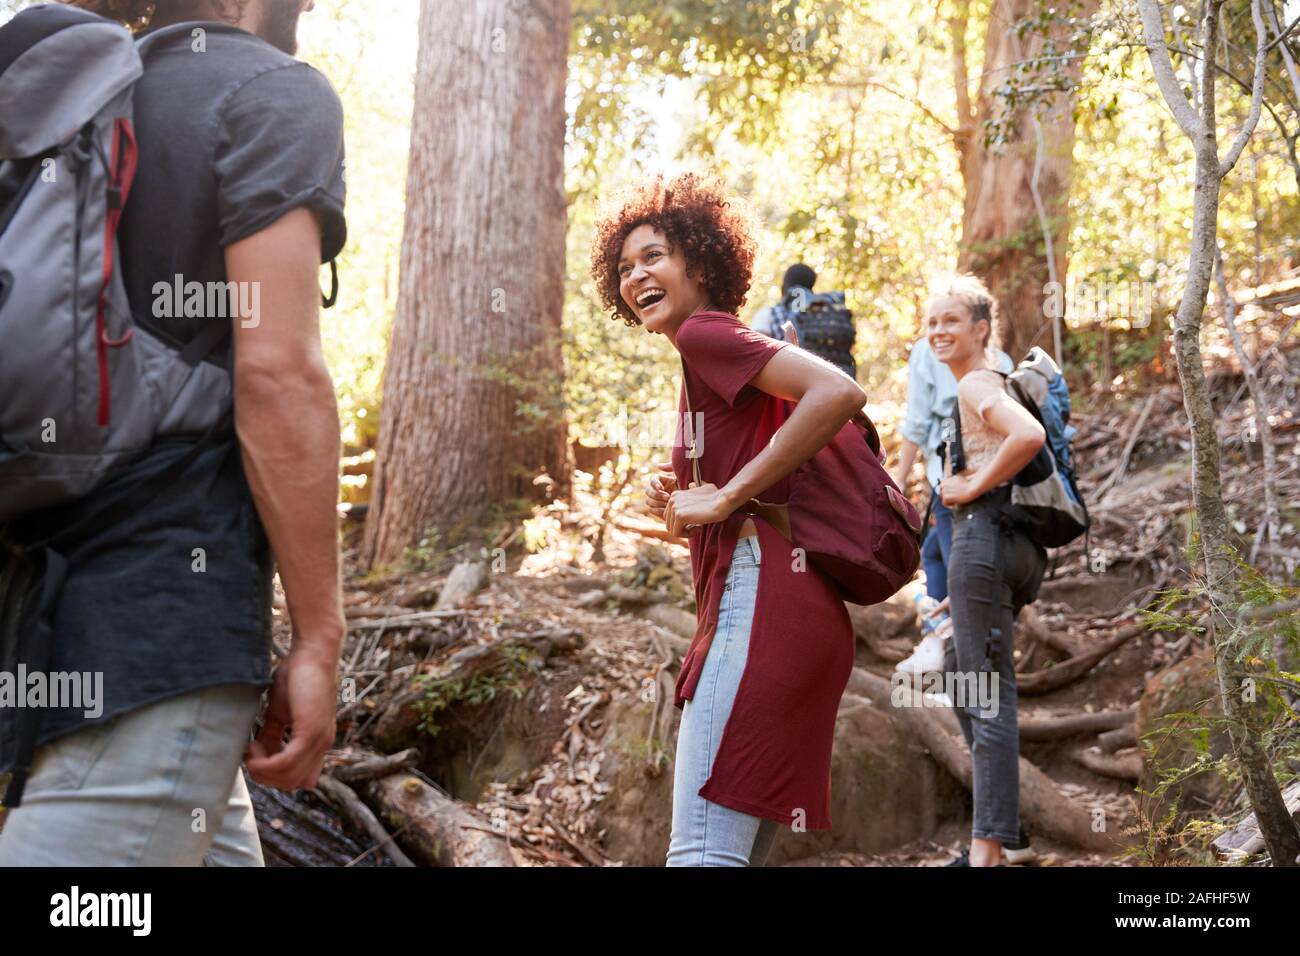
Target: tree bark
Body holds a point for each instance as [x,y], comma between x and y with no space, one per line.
[1003,240]
[471,409]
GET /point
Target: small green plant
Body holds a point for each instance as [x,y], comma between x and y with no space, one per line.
[440,693]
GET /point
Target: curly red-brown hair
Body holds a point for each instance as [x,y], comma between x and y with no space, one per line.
[713,229]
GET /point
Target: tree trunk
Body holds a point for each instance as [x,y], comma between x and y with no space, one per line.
[1218,557]
[1003,239]
[471,410]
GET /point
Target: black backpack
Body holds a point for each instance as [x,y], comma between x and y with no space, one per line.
[824,325]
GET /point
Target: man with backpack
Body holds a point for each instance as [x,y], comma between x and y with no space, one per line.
[227,176]
[821,322]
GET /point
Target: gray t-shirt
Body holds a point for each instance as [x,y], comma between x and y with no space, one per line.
[177,596]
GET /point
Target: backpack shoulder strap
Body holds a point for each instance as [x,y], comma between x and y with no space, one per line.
[695,462]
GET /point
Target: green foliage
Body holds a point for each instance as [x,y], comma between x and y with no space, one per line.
[441,693]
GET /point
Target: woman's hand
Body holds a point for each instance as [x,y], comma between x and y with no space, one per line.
[700,504]
[661,486]
[958,490]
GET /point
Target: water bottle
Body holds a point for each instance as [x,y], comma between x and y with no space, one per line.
[939,625]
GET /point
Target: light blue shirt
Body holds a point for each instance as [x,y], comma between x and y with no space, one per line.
[763,322]
[931,397]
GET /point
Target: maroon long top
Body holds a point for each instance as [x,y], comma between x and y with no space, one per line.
[775,755]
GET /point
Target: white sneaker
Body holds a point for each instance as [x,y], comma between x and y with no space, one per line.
[927,657]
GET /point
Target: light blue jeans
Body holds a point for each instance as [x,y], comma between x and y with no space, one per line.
[157,786]
[706,833]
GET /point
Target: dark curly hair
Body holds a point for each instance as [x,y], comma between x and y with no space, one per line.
[713,229]
[136,14]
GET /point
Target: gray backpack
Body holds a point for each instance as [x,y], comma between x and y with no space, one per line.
[83,388]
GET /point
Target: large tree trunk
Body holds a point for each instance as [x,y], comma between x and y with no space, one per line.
[471,408]
[1002,234]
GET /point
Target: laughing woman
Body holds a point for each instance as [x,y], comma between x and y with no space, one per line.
[773,650]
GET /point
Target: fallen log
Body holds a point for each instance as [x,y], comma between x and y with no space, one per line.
[436,829]
[360,816]
[301,829]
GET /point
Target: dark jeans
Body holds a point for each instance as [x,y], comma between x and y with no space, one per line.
[993,571]
[935,551]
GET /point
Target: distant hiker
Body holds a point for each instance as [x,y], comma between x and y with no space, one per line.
[932,402]
[994,568]
[818,322]
[798,279]
[751,754]
[239,179]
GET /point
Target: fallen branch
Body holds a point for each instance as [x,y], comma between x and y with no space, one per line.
[374,767]
[1118,473]
[361,817]
[405,620]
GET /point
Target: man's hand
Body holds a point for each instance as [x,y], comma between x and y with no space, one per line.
[790,333]
[303,701]
[661,486]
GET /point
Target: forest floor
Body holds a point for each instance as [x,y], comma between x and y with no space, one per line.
[512,691]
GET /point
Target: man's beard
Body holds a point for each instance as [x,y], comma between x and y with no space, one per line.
[280,24]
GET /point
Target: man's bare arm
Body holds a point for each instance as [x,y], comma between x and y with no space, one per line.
[286,416]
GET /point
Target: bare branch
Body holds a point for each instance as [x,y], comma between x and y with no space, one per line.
[1153,36]
[1287,58]
[1256,92]
[1281,34]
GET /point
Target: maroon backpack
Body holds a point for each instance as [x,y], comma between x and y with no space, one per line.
[846,513]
